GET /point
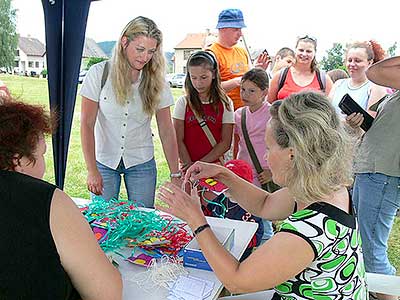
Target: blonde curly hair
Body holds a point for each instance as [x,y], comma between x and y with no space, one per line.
[153,81]
[322,147]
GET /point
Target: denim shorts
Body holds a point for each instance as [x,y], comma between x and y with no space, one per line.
[376,199]
[140,182]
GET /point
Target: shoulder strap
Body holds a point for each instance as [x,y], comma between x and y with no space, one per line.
[208,133]
[209,50]
[321,77]
[105,74]
[282,77]
[249,146]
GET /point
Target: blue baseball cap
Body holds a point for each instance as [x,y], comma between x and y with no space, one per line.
[230,18]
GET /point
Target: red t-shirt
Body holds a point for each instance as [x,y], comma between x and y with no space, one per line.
[290,87]
[195,138]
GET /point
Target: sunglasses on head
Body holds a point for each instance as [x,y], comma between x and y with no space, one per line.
[307,37]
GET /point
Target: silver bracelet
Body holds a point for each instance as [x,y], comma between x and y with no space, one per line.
[176,175]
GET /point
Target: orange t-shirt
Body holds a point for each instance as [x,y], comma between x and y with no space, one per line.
[290,87]
[232,62]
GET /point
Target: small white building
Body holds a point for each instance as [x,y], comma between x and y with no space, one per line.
[191,43]
[30,58]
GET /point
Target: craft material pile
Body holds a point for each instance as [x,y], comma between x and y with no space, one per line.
[118,224]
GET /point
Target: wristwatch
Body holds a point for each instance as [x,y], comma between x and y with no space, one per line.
[176,175]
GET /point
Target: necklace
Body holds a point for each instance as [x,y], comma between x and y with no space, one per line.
[352,87]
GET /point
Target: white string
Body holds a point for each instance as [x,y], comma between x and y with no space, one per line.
[159,274]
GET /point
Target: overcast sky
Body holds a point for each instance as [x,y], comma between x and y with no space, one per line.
[270,24]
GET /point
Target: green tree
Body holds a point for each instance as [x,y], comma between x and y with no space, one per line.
[8,35]
[94,60]
[391,51]
[334,58]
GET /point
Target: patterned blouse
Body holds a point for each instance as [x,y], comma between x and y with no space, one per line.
[337,271]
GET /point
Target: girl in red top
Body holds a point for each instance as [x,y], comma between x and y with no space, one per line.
[302,75]
[206,99]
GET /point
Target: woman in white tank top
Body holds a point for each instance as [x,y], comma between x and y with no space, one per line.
[359,56]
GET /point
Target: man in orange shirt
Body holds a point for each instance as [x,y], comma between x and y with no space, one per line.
[233,60]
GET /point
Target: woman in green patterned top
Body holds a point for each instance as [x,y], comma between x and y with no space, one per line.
[316,254]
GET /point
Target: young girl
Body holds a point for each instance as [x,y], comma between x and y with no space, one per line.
[253,89]
[204,100]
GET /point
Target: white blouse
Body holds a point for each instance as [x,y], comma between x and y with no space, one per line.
[121,131]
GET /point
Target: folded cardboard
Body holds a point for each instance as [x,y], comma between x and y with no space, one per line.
[192,255]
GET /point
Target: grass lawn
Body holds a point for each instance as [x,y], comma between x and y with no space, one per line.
[34,90]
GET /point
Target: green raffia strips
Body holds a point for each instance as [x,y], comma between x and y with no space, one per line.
[126,223]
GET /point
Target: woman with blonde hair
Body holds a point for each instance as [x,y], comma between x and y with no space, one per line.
[116,114]
[310,155]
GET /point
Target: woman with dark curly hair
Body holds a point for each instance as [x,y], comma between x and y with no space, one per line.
[47,248]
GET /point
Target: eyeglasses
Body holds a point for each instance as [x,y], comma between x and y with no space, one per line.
[307,37]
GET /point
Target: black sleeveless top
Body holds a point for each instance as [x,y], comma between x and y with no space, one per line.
[30,266]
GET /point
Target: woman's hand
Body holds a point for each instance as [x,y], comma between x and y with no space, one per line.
[95,182]
[355,120]
[203,170]
[185,166]
[181,205]
[265,176]
[177,181]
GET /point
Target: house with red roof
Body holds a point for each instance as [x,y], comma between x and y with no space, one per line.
[191,43]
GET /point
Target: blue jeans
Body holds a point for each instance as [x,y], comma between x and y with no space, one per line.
[140,182]
[376,199]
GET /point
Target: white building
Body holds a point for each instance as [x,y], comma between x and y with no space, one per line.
[30,58]
[191,43]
